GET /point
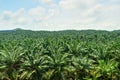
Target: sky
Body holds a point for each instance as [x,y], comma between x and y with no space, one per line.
[60,14]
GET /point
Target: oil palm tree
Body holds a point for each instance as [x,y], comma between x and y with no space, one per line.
[33,67]
[107,69]
[58,63]
[82,67]
[10,60]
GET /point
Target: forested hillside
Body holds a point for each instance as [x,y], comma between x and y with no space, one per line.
[59,55]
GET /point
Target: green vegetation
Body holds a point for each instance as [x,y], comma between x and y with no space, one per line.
[59,55]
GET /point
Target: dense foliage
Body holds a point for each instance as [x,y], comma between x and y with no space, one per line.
[59,55]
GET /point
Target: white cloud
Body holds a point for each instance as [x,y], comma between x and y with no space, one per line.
[37,13]
[77,4]
[118,1]
[10,20]
[9,15]
[46,2]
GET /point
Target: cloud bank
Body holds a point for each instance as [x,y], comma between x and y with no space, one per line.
[65,14]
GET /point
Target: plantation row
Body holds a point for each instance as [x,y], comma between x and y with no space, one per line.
[67,55]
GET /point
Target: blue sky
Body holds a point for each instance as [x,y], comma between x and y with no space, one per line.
[60,14]
[14,5]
